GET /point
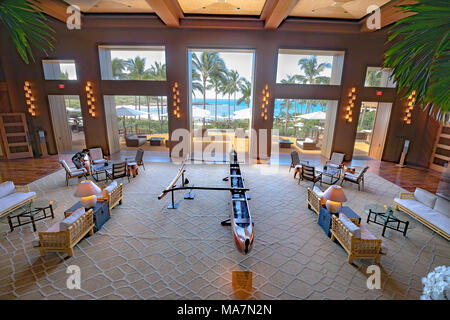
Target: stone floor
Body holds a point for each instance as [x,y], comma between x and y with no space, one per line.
[146,251]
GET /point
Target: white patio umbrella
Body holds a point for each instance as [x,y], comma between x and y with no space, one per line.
[242,114]
[319,115]
[200,113]
[126,111]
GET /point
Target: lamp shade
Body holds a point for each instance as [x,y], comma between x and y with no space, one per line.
[87,188]
[335,193]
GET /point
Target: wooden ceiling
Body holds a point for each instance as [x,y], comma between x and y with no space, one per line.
[222,7]
[336,9]
[271,13]
[112,6]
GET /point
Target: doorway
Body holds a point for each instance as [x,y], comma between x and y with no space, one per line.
[68,124]
[371,131]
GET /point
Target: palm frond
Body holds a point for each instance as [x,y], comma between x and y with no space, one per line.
[26,26]
[419,55]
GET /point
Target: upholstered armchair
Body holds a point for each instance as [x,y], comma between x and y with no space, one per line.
[137,160]
[357,178]
[96,156]
[64,235]
[73,172]
[113,194]
[357,241]
[309,173]
[336,161]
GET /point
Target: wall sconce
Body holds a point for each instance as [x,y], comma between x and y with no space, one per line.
[90,98]
[176,100]
[29,98]
[265,102]
[409,106]
[350,105]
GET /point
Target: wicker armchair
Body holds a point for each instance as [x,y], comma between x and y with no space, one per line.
[54,240]
[366,247]
[315,201]
[114,197]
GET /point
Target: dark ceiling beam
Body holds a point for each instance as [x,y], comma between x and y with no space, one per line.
[54,8]
[389,14]
[168,11]
[277,12]
[222,23]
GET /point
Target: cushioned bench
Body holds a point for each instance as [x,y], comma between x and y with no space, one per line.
[13,197]
[429,209]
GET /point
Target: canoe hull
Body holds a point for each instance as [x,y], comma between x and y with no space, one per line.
[240,218]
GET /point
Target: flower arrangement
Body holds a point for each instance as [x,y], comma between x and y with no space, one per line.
[436,285]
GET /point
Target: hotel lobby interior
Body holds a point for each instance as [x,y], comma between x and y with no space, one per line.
[224,150]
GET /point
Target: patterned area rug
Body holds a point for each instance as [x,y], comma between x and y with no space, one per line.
[146,251]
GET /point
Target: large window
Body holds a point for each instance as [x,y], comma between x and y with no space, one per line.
[309,67]
[132,63]
[59,69]
[379,77]
[221,83]
[301,123]
[140,121]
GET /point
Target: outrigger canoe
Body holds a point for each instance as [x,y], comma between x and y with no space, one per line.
[240,218]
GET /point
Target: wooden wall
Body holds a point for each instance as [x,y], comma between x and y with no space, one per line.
[361,50]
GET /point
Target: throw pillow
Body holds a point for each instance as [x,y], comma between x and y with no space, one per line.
[353,228]
[7,188]
[319,193]
[109,189]
[67,222]
[443,206]
[425,197]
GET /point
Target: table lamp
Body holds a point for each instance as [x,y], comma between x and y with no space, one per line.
[335,196]
[88,192]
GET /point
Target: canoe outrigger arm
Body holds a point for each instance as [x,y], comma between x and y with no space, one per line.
[239,219]
[174,205]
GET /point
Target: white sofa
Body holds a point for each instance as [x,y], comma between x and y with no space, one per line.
[13,197]
[430,209]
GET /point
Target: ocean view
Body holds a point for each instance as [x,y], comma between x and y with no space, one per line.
[222,106]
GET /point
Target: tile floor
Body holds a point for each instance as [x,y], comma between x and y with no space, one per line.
[146,251]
